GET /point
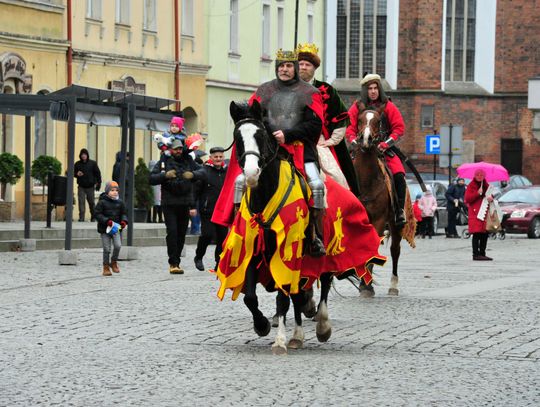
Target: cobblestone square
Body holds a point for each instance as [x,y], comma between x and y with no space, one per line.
[459,333]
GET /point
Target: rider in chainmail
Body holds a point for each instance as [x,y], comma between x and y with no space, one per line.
[292,111]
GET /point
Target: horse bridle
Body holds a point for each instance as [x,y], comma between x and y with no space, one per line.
[375,140]
[266,141]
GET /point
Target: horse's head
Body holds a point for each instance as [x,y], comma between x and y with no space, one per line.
[254,147]
[369,129]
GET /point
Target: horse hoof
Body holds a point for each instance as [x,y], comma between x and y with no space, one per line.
[393,291]
[324,336]
[279,349]
[310,310]
[367,293]
[275,321]
[262,327]
[295,344]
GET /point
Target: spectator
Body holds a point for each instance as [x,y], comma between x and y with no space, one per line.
[207,194]
[111,211]
[477,196]
[176,174]
[418,214]
[88,179]
[454,198]
[157,213]
[117,167]
[428,205]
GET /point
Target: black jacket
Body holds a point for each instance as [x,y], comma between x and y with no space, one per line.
[207,192]
[91,174]
[176,191]
[109,209]
[455,192]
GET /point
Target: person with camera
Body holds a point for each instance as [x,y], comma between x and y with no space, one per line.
[176,174]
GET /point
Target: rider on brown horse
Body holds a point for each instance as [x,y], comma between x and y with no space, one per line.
[392,127]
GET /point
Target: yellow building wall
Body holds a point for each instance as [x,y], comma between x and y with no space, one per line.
[32,21]
[104,51]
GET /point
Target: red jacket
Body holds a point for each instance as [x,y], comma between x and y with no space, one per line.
[417,211]
[473,200]
[396,126]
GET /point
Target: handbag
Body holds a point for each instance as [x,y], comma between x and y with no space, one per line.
[493,223]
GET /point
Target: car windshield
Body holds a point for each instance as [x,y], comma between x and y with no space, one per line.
[529,195]
[414,190]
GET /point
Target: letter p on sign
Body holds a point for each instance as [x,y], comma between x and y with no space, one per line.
[433,144]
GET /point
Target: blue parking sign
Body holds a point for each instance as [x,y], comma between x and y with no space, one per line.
[433,144]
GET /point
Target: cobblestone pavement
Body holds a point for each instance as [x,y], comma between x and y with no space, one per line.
[459,333]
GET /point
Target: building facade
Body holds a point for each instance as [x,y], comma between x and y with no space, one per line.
[141,46]
[459,62]
[243,37]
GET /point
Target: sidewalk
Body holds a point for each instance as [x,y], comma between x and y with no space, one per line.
[84,235]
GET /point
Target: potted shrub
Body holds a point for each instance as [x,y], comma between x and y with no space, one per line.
[40,170]
[144,194]
[11,169]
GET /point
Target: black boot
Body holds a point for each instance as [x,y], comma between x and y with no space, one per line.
[315,245]
[401,190]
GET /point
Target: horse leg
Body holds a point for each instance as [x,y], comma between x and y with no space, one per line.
[283,302]
[275,319]
[367,290]
[310,308]
[324,328]
[395,250]
[297,340]
[260,322]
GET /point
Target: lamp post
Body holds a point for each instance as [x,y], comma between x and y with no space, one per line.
[296,26]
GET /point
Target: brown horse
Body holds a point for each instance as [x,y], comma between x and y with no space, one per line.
[374,182]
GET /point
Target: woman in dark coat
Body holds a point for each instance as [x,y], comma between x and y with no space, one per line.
[474,196]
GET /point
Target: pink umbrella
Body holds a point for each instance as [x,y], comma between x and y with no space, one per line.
[494,172]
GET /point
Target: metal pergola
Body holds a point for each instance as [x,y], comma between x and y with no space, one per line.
[102,107]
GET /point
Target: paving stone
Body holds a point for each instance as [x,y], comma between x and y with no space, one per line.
[469,334]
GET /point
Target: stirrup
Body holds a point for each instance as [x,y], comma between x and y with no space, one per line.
[315,248]
[401,219]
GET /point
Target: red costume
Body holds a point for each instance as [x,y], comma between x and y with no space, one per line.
[474,199]
[396,128]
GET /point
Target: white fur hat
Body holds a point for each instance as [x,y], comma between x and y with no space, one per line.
[370,77]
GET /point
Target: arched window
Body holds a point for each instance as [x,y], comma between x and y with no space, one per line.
[460,40]
[191,120]
[41,133]
[361,37]
[6,123]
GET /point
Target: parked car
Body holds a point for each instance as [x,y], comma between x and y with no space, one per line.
[522,209]
[440,220]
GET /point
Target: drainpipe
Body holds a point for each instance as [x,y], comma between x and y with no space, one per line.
[69,56]
[176,56]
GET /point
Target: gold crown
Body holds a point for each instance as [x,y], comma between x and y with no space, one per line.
[286,55]
[307,47]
